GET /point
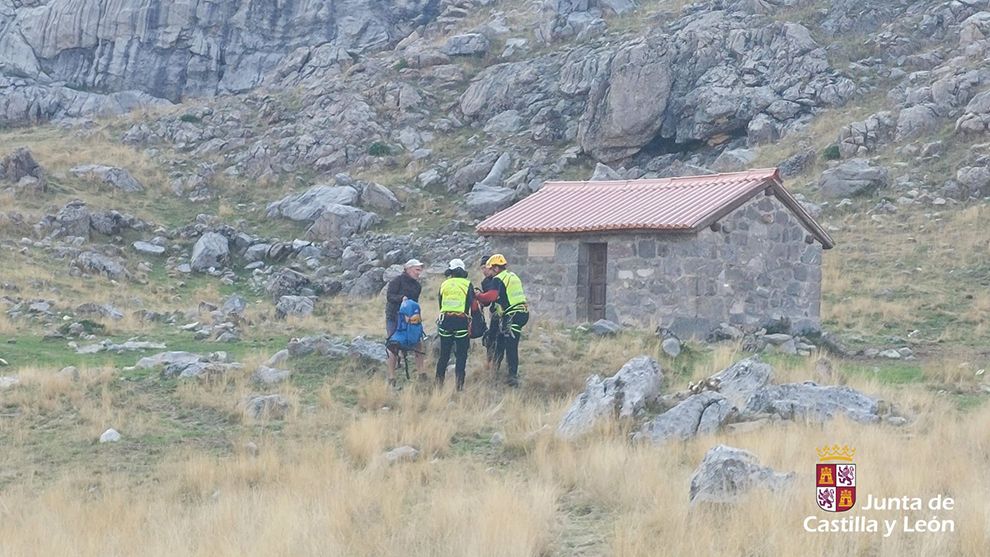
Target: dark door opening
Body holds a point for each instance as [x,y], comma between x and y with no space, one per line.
[597,279]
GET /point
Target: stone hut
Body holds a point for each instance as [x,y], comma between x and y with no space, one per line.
[686,253]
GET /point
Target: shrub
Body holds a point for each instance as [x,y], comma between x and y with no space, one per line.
[190,118]
[379,149]
[831,153]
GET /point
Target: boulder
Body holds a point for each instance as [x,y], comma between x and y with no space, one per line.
[813,403]
[73,220]
[168,358]
[727,473]
[8,381]
[97,263]
[742,379]
[671,347]
[484,201]
[851,178]
[270,376]
[271,407]
[295,306]
[110,436]
[20,165]
[377,196]
[604,172]
[619,396]
[698,414]
[309,205]
[916,121]
[112,176]
[468,44]
[233,307]
[287,282]
[368,350]
[211,251]
[604,327]
[148,248]
[369,284]
[341,221]
[401,454]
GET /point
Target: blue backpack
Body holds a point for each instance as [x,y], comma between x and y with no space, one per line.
[409,329]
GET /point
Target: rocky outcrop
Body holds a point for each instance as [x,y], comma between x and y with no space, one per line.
[156,49]
[619,396]
[699,414]
[814,403]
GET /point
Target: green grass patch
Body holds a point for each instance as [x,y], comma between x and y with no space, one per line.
[894,372]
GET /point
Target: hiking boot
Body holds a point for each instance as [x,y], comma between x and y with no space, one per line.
[513,381]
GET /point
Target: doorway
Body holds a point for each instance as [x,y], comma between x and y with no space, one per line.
[597,280]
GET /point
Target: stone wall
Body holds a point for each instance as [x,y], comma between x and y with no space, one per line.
[758,266]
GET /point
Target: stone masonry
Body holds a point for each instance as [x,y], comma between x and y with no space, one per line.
[759,264]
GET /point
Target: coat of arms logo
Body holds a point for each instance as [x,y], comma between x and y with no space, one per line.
[835,478]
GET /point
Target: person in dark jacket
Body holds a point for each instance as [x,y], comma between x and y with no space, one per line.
[487,296]
[403,287]
[453,327]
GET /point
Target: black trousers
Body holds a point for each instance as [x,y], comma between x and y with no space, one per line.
[459,345]
[511,328]
[492,338]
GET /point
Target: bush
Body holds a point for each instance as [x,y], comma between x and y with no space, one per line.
[831,153]
[190,118]
[379,149]
[401,64]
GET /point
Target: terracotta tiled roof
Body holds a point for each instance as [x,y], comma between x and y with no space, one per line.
[683,204]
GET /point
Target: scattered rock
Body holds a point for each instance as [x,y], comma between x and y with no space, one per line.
[619,396]
[148,248]
[727,473]
[97,263]
[401,454]
[604,327]
[270,407]
[20,168]
[368,350]
[210,252]
[110,436]
[295,306]
[671,347]
[8,381]
[270,376]
[341,221]
[70,373]
[112,176]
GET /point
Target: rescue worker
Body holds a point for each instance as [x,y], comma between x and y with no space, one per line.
[453,326]
[513,314]
[403,287]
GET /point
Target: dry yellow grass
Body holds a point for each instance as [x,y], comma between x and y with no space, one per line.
[306,493]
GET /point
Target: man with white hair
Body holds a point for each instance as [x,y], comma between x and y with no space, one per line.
[403,287]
